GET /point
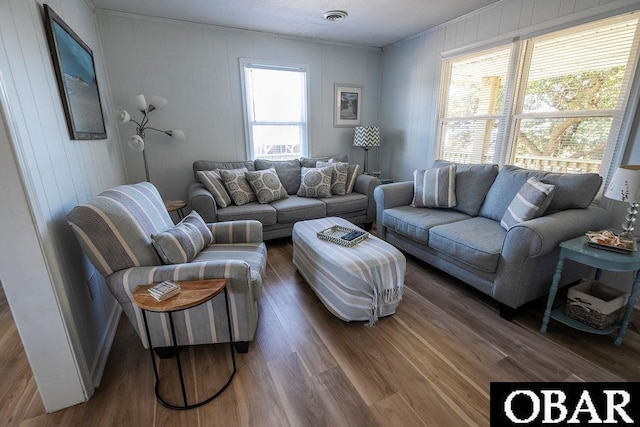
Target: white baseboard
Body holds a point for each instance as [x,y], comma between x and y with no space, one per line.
[97,369]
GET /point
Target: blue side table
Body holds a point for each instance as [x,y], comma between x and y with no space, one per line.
[579,250]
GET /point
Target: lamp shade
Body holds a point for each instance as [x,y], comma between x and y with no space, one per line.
[122,116]
[140,102]
[157,102]
[136,143]
[366,136]
[625,184]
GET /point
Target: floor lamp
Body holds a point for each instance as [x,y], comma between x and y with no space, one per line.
[136,142]
[366,137]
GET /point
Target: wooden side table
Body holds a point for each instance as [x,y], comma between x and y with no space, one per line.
[192,294]
[579,250]
[176,206]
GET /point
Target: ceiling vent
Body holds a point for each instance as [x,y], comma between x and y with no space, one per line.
[335,15]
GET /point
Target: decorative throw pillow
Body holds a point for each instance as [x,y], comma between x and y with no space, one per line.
[315,182]
[181,244]
[238,186]
[338,176]
[266,185]
[530,202]
[434,188]
[352,174]
[213,182]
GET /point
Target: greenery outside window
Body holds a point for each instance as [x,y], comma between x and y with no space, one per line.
[275,110]
[555,102]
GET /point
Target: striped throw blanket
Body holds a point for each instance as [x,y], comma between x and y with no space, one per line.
[358,283]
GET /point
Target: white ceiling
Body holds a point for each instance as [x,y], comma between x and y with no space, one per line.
[374,23]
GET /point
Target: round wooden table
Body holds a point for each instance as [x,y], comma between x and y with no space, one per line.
[192,293]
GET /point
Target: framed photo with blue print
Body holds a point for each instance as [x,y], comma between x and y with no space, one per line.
[347,105]
[76,76]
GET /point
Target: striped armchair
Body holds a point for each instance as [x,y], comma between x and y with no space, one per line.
[115,228]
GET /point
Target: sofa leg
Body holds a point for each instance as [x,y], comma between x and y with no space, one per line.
[368,226]
[508,313]
[241,346]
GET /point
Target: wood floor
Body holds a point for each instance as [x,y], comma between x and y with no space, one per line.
[429,364]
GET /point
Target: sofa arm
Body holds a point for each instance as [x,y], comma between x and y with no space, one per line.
[366,184]
[389,196]
[542,235]
[243,231]
[202,201]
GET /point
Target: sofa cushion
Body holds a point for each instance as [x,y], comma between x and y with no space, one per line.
[308,162]
[206,165]
[213,182]
[506,185]
[288,171]
[476,242]
[349,203]
[530,202]
[434,188]
[339,174]
[266,185]
[573,190]
[315,182]
[473,181]
[266,214]
[237,185]
[181,243]
[416,222]
[299,208]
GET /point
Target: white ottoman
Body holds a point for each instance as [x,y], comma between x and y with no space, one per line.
[363,282]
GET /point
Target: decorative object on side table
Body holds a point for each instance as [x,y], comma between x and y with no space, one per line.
[625,187]
[608,240]
[366,137]
[136,142]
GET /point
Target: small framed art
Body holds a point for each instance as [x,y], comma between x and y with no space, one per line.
[348,105]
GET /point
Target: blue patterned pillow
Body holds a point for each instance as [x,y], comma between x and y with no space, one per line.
[434,188]
[183,242]
[530,202]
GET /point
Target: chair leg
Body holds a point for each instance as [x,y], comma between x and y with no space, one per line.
[241,346]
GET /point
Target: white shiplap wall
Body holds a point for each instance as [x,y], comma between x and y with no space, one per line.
[411,69]
[65,326]
[196,67]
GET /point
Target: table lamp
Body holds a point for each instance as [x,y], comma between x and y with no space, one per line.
[366,137]
[625,187]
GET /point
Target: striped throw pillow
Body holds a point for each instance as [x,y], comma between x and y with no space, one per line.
[183,242]
[213,182]
[532,200]
[434,188]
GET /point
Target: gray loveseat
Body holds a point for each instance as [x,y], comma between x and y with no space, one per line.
[278,217]
[468,242]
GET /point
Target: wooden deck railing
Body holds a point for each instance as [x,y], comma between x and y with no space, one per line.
[550,164]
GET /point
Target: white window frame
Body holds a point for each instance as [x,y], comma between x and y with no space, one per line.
[274,65]
[520,55]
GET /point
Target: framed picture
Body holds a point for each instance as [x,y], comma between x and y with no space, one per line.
[76,76]
[348,105]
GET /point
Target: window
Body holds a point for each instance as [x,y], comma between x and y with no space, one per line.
[275,110]
[555,102]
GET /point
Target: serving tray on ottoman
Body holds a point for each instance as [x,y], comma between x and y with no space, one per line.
[362,282]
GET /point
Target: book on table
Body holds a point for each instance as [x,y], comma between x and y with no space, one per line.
[164,290]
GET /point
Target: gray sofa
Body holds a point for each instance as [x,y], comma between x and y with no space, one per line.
[278,217]
[468,242]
